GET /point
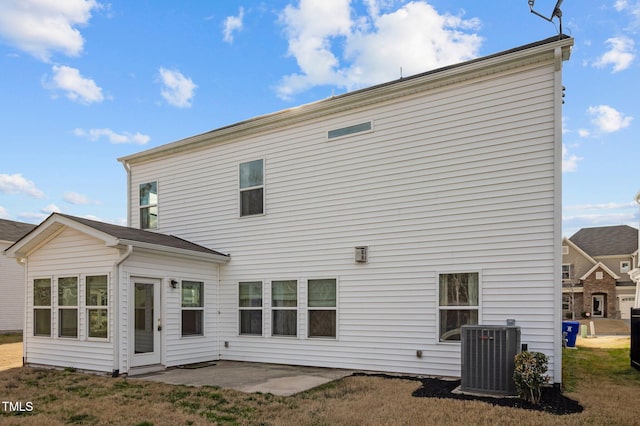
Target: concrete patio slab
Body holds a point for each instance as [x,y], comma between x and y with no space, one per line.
[250,377]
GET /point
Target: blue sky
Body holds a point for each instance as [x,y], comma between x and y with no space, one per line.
[83,82]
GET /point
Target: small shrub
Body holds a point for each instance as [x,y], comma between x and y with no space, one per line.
[529,375]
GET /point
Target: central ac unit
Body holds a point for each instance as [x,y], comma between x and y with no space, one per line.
[488,353]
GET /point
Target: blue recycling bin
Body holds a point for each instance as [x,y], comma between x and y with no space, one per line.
[570,329]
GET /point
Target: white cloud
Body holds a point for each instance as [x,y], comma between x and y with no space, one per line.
[177,89]
[621,5]
[77,199]
[231,25]
[621,54]
[77,87]
[51,208]
[333,47]
[4,214]
[584,133]
[17,184]
[41,27]
[607,119]
[113,137]
[569,162]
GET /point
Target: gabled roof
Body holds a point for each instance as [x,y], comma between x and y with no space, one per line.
[582,253]
[604,268]
[553,48]
[112,235]
[607,240]
[12,231]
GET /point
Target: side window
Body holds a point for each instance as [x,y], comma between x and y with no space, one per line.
[566,271]
[42,307]
[192,308]
[625,266]
[68,307]
[251,188]
[322,308]
[97,303]
[250,308]
[149,205]
[284,308]
[458,303]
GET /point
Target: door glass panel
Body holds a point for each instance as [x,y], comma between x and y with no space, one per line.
[143,318]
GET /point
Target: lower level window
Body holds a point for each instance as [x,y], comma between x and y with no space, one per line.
[68,307]
[458,303]
[68,322]
[284,311]
[322,308]
[192,308]
[250,307]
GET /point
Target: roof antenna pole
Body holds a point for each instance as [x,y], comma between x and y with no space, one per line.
[557,13]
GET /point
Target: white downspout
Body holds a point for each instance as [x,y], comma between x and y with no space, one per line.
[116,309]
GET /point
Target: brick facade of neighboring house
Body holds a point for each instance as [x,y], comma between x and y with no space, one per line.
[596,265]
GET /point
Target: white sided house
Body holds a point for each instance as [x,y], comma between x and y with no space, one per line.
[361,231]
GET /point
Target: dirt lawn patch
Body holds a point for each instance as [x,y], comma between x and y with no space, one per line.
[10,356]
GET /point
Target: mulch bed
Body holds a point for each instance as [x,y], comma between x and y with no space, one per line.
[552,400]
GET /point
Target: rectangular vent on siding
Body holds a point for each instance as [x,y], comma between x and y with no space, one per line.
[350,130]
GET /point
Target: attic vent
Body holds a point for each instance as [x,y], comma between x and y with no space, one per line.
[349,130]
[488,359]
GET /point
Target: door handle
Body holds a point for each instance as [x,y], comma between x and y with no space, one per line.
[159,325]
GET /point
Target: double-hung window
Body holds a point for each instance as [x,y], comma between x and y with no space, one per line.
[192,308]
[458,303]
[97,303]
[566,271]
[250,307]
[68,307]
[322,307]
[42,307]
[284,308]
[251,188]
[149,205]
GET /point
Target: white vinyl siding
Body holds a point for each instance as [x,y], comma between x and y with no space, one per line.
[460,178]
[12,291]
[70,254]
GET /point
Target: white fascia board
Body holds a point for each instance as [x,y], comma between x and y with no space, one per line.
[190,254]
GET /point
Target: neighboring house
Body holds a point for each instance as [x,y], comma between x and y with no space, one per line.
[11,278]
[361,231]
[634,274]
[596,263]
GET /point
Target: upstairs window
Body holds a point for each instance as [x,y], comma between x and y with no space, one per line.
[566,271]
[625,266]
[252,188]
[459,303]
[42,307]
[350,130]
[149,205]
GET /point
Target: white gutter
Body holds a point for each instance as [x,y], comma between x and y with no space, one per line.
[114,309]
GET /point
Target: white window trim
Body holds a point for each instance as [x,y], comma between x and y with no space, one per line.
[263,186]
[77,307]
[297,309]
[624,270]
[438,307]
[194,308]
[250,308]
[88,307]
[307,309]
[157,205]
[562,272]
[50,307]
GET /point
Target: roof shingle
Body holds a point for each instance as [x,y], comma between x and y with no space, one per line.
[607,240]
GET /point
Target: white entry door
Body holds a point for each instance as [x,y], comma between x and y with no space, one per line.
[145,325]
